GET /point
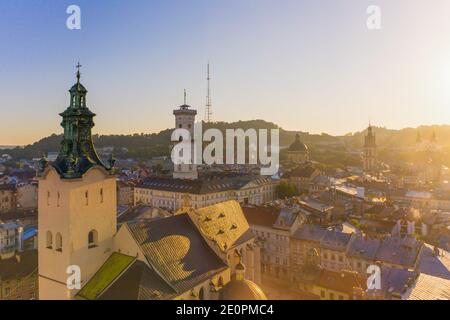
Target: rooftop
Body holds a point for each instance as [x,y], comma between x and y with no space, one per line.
[310,232]
[176,250]
[202,186]
[363,247]
[401,251]
[108,272]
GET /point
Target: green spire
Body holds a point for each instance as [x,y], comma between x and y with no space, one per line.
[77,153]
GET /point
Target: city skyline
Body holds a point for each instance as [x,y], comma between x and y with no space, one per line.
[308,79]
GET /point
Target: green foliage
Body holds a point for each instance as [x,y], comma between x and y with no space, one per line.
[286,190]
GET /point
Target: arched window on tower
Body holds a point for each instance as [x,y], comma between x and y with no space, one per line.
[58,242]
[92,239]
[201,294]
[49,240]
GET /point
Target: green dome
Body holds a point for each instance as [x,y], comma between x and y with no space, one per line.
[78,87]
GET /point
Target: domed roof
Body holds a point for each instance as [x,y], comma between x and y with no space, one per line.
[241,290]
[78,87]
[297,145]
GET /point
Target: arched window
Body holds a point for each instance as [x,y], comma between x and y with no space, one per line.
[58,196]
[86,196]
[49,240]
[92,239]
[101,195]
[58,242]
[201,294]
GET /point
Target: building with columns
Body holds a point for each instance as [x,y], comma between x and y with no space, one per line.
[83,254]
[369,151]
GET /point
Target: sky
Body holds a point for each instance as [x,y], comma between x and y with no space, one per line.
[309,65]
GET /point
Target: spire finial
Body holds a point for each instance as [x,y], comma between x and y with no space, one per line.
[78,66]
[184,96]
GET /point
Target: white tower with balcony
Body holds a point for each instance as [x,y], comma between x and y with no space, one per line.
[185,119]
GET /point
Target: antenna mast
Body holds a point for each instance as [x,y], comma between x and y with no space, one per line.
[208,109]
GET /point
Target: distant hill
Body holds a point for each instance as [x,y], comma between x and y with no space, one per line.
[145,146]
[389,138]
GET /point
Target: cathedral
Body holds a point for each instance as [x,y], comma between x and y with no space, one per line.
[194,254]
[298,152]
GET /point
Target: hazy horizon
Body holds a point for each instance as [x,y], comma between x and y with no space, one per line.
[309,65]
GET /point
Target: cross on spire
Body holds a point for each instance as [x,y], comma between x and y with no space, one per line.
[78,66]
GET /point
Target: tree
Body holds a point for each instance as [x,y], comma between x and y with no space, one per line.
[286,190]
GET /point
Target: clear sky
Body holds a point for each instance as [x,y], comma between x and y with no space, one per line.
[307,65]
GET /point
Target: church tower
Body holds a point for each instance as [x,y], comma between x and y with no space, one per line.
[370,151]
[298,152]
[76,204]
[185,119]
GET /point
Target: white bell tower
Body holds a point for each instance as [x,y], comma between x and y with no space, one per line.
[185,119]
